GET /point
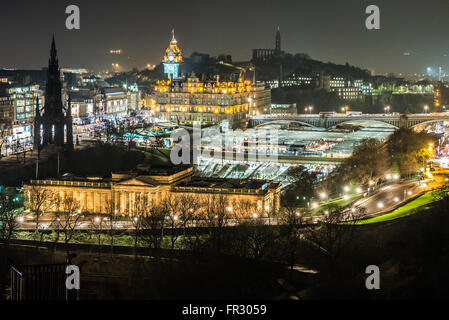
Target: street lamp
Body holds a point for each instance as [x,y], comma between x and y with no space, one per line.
[425,108]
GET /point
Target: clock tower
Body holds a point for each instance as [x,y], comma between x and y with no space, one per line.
[172,59]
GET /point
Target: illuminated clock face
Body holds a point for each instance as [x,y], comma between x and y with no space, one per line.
[171,58]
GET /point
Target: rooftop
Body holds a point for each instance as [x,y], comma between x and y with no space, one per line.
[227,183]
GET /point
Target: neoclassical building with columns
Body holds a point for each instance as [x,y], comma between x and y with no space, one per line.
[119,193]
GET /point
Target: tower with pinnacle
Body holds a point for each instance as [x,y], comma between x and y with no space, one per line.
[277,48]
[53,123]
[172,58]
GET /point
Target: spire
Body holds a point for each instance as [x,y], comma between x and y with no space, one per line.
[53,53]
[173,40]
[278,41]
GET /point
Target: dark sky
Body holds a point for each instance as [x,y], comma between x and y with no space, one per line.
[328,30]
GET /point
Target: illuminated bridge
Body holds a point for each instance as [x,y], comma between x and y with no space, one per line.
[395,120]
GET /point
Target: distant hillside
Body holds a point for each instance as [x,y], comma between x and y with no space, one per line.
[303,64]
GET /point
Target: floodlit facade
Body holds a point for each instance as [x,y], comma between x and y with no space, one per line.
[190,101]
[120,193]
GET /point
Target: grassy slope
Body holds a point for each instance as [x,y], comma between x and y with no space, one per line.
[410,208]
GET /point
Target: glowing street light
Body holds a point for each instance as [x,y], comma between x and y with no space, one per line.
[395,176]
[346,189]
[346,197]
[388,176]
[358,190]
[426,107]
[380,205]
[309,109]
[314,205]
[323,195]
[396,199]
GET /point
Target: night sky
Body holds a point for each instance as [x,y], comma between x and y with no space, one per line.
[327,30]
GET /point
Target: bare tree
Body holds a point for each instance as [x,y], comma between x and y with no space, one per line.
[112,217]
[8,217]
[172,204]
[333,234]
[132,133]
[40,200]
[244,209]
[138,215]
[292,221]
[193,230]
[68,215]
[109,130]
[217,215]
[154,223]
[97,222]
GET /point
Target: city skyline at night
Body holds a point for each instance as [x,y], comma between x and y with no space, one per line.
[224,156]
[325,30]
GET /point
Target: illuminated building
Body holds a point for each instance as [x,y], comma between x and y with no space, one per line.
[122,190]
[172,59]
[189,101]
[82,104]
[17,107]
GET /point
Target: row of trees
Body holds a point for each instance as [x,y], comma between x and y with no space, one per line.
[210,224]
[403,153]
